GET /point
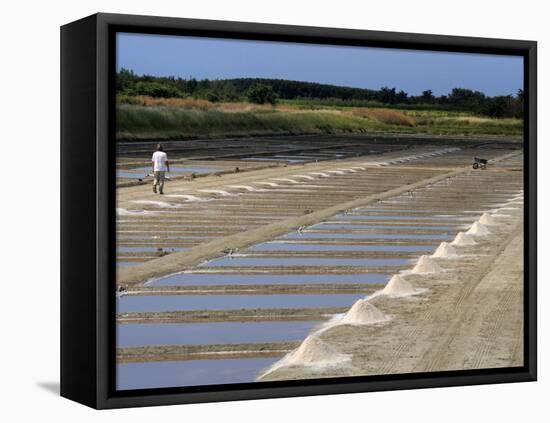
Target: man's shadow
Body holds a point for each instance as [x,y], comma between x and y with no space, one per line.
[51,387]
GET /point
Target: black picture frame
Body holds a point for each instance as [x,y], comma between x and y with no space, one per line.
[87,210]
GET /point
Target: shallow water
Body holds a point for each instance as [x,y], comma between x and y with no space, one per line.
[394,210]
[141,172]
[120,263]
[276,159]
[330,226]
[126,174]
[183,169]
[141,334]
[161,303]
[299,157]
[147,249]
[167,374]
[393,217]
[332,235]
[287,246]
[123,237]
[212,279]
[302,261]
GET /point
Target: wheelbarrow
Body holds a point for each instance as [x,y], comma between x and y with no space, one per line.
[479,163]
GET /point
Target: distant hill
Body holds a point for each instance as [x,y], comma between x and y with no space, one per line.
[290,90]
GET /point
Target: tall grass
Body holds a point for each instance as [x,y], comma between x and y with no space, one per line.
[166,120]
[134,122]
[391,117]
[314,103]
[188,103]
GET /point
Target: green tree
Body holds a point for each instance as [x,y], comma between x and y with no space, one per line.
[427,97]
[387,95]
[261,93]
[125,80]
[192,85]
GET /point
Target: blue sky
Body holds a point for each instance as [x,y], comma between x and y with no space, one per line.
[411,71]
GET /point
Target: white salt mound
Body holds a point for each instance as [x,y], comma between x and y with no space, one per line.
[126,212]
[314,351]
[426,265]
[398,286]
[444,250]
[363,313]
[162,204]
[463,240]
[478,229]
[487,219]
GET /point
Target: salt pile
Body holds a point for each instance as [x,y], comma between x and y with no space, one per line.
[190,198]
[218,191]
[314,351]
[463,240]
[363,313]
[292,181]
[426,265]
[304,177]
[444,250]
[248,188]
[162,204]
[398,286]
[487,219]
[478,229]
[126,212]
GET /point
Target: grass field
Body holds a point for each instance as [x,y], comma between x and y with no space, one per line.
[149,118]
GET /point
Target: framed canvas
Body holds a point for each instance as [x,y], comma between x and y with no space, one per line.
[258,211]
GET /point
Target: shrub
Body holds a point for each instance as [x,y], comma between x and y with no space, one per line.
[156,89]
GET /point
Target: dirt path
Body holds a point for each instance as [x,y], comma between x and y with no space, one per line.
[487,330]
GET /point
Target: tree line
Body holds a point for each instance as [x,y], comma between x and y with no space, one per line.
[262,91]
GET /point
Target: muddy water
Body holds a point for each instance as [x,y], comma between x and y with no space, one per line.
[168,374]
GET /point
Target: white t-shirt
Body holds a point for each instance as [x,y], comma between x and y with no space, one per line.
[159,161]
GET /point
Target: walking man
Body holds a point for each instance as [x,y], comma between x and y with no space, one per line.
[160,167]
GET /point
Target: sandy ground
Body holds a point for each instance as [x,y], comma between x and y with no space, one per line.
[470,317]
